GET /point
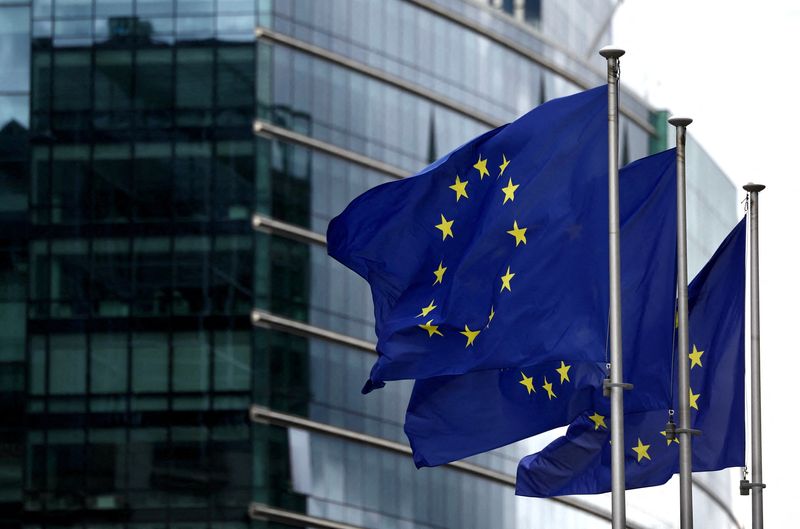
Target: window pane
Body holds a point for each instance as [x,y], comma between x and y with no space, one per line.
[191,181]
[109,363]
[231,361]
[111,277]
[232,193]
[150,361]
[36,367]
[152,267]
[190,367]
[15,48]
[112,197]
[116,8]
[70,184]
[113,80]
[194,71]
[235,85]
[69,278]
[73,8]
[67,364]
[42,75]
[71,81]
[152,192]
[153,92]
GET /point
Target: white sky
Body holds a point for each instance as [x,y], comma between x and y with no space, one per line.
[734,67]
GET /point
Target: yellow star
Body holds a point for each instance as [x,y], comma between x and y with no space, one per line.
[670,441]
[491,315]
[447,227]
[548,387]
[504,165]
[518,234]
[641,451]
[695,357]
[598,420]
[506,279]
[432,329]
[439,273]
[426,310]
[509,191]
[460,188]
[676,319]
[528,383]
[480,165]
[564,372]
[693,399]
[470,335]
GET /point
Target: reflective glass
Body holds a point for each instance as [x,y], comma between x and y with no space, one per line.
[42,8]
[232,359]
[70,182]
[72,81]
[14,109]
[151,191]
[111,277]
[113,8]
[109,363]
[73,8]
[154,7]
[113,85]
[15,48]
[150,360]
[191,362]
[191,188]
[153,87]
[194,72]
[194,7]
[194,27]
[67,364]
[235,79]
[194,88]
[111,171]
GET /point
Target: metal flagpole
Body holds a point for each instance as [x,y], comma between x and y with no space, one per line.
[684,430]
[755,362]
[615,385]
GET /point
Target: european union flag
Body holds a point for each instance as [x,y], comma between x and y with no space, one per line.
[494,256]
[580,462]
[453,417]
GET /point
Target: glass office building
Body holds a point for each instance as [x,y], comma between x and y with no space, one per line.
[143,141]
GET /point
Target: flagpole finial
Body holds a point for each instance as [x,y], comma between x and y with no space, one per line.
[611,52]
[750,187]
[680,122]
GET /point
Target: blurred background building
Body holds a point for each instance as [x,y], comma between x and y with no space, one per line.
[139,138]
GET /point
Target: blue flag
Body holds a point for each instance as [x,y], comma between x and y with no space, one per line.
[494,256]
[453,417]
[580,462]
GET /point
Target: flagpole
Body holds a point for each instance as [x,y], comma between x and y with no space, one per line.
[616,386]
[684,430]
[757,485]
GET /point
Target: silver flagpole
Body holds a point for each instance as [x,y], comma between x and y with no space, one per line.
[615,385]
[755,363]
[685,419]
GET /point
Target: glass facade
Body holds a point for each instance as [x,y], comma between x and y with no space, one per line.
[130,171]
[138,265]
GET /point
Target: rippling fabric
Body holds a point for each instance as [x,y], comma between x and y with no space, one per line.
[452,417]
[580,462]
[495,255]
